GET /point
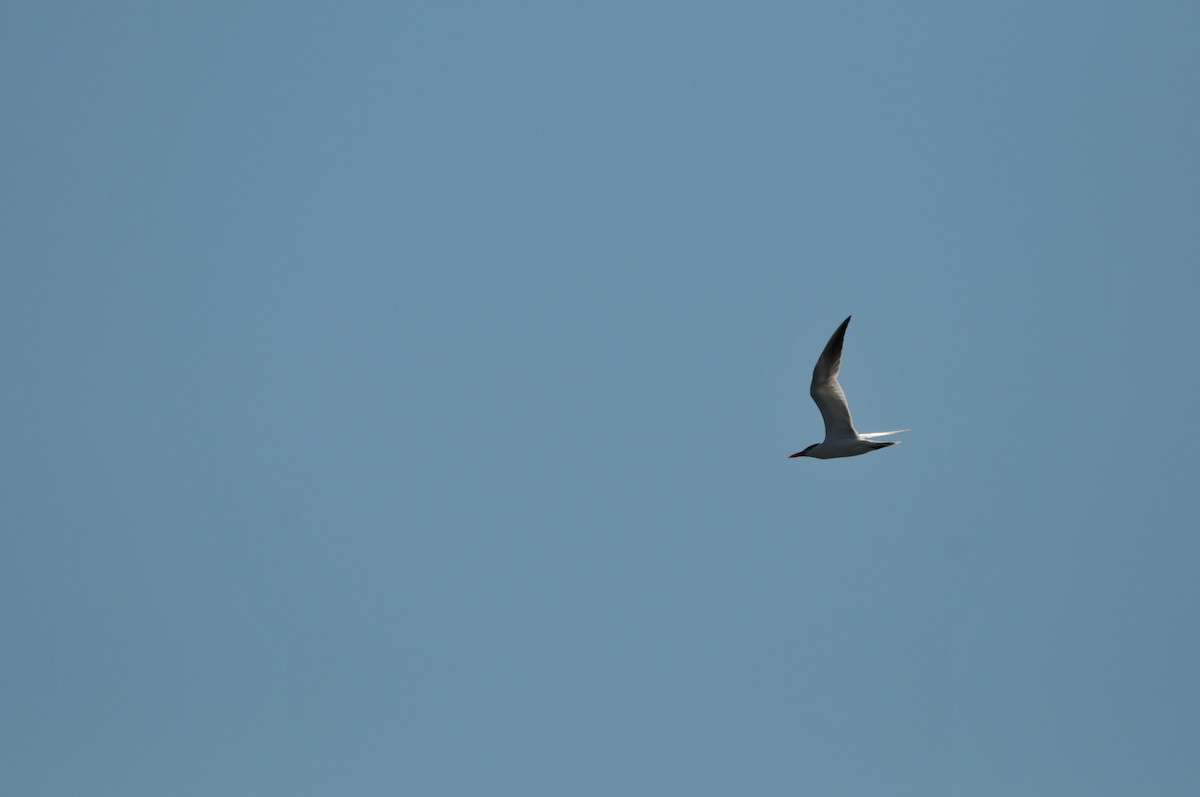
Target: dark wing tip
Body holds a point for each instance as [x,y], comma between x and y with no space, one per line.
[834,347]
[830,361]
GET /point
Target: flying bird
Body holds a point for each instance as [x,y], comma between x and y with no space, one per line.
[841,439]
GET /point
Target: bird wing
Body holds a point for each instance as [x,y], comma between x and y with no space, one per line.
[869,435]
[826,391]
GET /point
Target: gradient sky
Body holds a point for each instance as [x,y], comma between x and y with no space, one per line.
[397,399]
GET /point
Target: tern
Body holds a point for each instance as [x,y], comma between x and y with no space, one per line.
[841,439]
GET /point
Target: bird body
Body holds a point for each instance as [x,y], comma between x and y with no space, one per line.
[841,438]
[843,447]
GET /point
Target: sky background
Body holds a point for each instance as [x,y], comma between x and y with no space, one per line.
[397,398]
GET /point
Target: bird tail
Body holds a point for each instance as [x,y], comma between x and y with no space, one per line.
[883,434]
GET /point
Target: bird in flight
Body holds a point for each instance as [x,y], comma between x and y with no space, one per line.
[841,439]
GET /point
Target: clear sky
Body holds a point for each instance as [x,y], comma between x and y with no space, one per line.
[397,398]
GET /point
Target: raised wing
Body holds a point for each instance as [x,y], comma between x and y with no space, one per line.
[826,391]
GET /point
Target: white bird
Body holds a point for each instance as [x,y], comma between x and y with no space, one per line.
[841,439]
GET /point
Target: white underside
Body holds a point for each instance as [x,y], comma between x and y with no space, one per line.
[849,446]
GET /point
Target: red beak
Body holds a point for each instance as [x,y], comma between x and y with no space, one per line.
[797,454]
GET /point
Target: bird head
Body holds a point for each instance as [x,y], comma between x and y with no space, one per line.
[804,452]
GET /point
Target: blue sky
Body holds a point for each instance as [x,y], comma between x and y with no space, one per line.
[397,399]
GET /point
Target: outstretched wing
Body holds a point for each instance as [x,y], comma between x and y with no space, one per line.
[827,392]
[870,435]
